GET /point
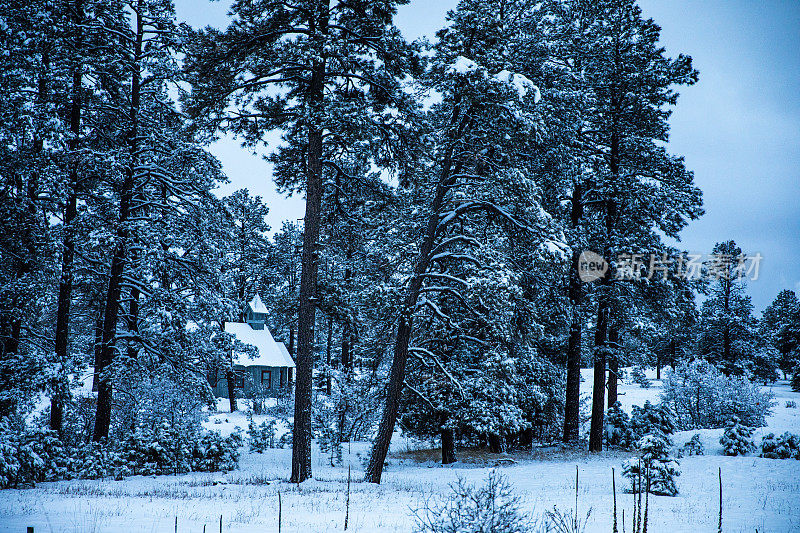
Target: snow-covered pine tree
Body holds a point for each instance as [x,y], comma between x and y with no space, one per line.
[632,185]
[283,282]
[552,55]
[357,293]
[473,176]
[81,61]
[780,326]
[737,439]
[727,331]
[31,80]
[328,74]
[246,253]
[671,337]
[654,469]
[160,285]
[618,427]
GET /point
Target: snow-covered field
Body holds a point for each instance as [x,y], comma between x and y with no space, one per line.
[759,494]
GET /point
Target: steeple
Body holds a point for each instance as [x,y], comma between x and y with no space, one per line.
[256,313]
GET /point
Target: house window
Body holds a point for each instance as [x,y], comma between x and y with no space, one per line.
[266,378]
[283,377]
[238,381]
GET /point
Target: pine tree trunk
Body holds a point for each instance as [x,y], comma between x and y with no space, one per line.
[102,421]
[346,358]
[230,379]
[302,434]
[658,365]
[573,393]
[599,387]
[613,364]
[68,251]
[98,347]
[604,308]
[526,438]
[495,443]
[380,447]
[448,446]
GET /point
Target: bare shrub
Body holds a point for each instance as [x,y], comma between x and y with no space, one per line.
[491,508]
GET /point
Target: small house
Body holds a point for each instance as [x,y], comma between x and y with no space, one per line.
[271,369]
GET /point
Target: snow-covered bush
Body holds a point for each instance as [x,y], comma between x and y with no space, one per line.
[737,438]
[618,427]
[791,404]
[491,507]
[694,446]
[28,456]
[325,422]
[701,396]
[212,452]
[638,376]
[284,404]
[152,400]
[31,455]
[652,419]
[95,460]
[787,446]
[261,436]
[153,451]
[258,395]
[654,467]
[624,432]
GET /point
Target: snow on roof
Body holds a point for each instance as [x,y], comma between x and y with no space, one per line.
[257,306]
[269,353]
[286,356]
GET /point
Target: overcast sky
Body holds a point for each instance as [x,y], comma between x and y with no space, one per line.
[738,128]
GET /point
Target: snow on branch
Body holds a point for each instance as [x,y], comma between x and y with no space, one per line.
[480,205]
[454,240]
[416,351]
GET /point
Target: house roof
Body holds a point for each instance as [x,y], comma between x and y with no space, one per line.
[257,305]
[269,351]
[286,356]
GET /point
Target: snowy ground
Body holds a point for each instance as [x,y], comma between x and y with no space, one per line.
[760,494]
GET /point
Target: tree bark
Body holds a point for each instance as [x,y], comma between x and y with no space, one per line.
[526,438]
[613,364]
[230,379]
[302,433]
[68,245]
[98,347]
[448,446]
[495,443]
[658,364]
[599,387]
[380,447]
[572,402]
[347,328]
[102,421]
